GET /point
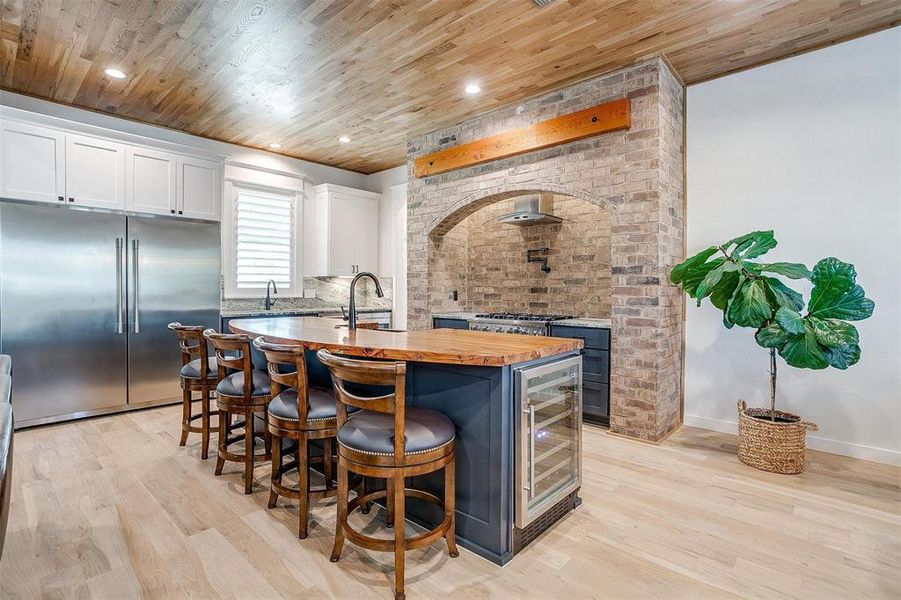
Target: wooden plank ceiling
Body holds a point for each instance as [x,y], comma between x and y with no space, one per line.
[304,72]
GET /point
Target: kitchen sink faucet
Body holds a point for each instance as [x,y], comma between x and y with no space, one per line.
[270,301]
[352,309]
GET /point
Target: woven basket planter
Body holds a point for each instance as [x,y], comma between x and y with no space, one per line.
[775,446]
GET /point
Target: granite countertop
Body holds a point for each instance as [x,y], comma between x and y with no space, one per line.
[455,315]
[281,312]
[578,322]
[584,322]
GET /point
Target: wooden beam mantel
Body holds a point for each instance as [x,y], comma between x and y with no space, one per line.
[603,118]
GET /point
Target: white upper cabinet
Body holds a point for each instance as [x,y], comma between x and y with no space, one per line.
[95,172]
[198,188]
[150,182]
[341,231]
[47,162]
[32,163]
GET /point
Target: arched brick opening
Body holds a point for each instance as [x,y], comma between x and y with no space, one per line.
[636,175]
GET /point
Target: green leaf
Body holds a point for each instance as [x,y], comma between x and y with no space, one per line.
[749,306]
[712,278]
[761,242]
[782,295]
[803,351]
[790,320]
[832,279]
[678,272]
[833,333]
[772,336]
[723,290]
[842,357]
[790,270]
[851,306]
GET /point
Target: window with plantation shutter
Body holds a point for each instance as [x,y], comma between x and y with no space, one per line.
[264,244]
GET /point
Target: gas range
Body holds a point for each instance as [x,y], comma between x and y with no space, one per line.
[506,322]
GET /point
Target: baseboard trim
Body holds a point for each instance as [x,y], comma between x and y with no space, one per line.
[881,455]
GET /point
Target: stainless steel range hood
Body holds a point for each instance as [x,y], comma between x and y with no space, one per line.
[533,209]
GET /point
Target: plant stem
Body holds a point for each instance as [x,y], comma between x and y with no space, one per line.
[772,384]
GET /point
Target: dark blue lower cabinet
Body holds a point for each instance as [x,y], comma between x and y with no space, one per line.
[441,323]
[595,370]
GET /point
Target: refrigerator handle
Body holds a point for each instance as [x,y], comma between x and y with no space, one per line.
[120,308]
[134,267]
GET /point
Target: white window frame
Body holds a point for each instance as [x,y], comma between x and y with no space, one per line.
[229,234]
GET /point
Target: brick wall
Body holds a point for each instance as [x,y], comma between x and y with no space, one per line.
[498,278]
[635,176]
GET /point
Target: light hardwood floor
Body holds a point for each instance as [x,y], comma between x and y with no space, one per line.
[112,508]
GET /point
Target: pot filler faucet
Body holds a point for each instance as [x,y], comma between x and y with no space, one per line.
[352,309]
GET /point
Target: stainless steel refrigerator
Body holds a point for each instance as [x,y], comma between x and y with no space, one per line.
[85,297]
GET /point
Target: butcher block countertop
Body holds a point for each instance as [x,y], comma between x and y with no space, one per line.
[444,346]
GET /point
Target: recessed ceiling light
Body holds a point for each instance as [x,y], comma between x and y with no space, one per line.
[472,88]
[275,146]
[344,139]
[115,73]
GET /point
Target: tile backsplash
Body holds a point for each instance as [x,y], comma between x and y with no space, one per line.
[331,292]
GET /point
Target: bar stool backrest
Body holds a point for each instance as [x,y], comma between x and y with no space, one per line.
[192,344]
[292,355]
[233,354]
[370,372]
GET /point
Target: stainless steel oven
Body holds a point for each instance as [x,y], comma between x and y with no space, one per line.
[549,436]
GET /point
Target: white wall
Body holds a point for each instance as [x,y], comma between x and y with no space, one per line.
[809,147]
[392,184]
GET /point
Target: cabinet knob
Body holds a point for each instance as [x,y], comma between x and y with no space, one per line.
[179,212]
[61,199]
[71,199]
[172,211]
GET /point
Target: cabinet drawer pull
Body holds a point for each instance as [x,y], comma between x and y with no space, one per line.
[71,199]
[61,199]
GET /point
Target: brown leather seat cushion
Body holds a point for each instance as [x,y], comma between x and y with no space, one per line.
[373,433]
[233,385]
[322,405]
[192,369]
[6,364]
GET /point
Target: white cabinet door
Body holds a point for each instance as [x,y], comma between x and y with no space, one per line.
[150,181]
[95,172]
[342,232]
[198,188]
[32,163]
[366,235]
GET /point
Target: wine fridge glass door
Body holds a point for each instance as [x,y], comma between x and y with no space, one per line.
[549,453]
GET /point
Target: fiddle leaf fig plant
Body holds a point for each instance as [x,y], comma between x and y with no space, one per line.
[753,294]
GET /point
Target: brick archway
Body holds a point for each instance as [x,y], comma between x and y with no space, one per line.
[635,174]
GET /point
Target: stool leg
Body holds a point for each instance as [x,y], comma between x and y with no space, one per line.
[276,477]
[248,450]
[224,421]
[185,416]
[267,437]
[327,462]
[450,507]
[303,485]
[399,536]
[205,422]
[364,486]
[342,511]
[389,502]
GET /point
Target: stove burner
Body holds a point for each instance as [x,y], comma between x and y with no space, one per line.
[508,316]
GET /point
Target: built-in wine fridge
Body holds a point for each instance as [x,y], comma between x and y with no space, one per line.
[548,445]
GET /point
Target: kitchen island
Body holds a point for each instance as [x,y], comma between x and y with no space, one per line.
[515,401]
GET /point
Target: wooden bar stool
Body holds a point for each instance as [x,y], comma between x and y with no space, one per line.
[301,413]
[244,391]
[389,440]
[196,375]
